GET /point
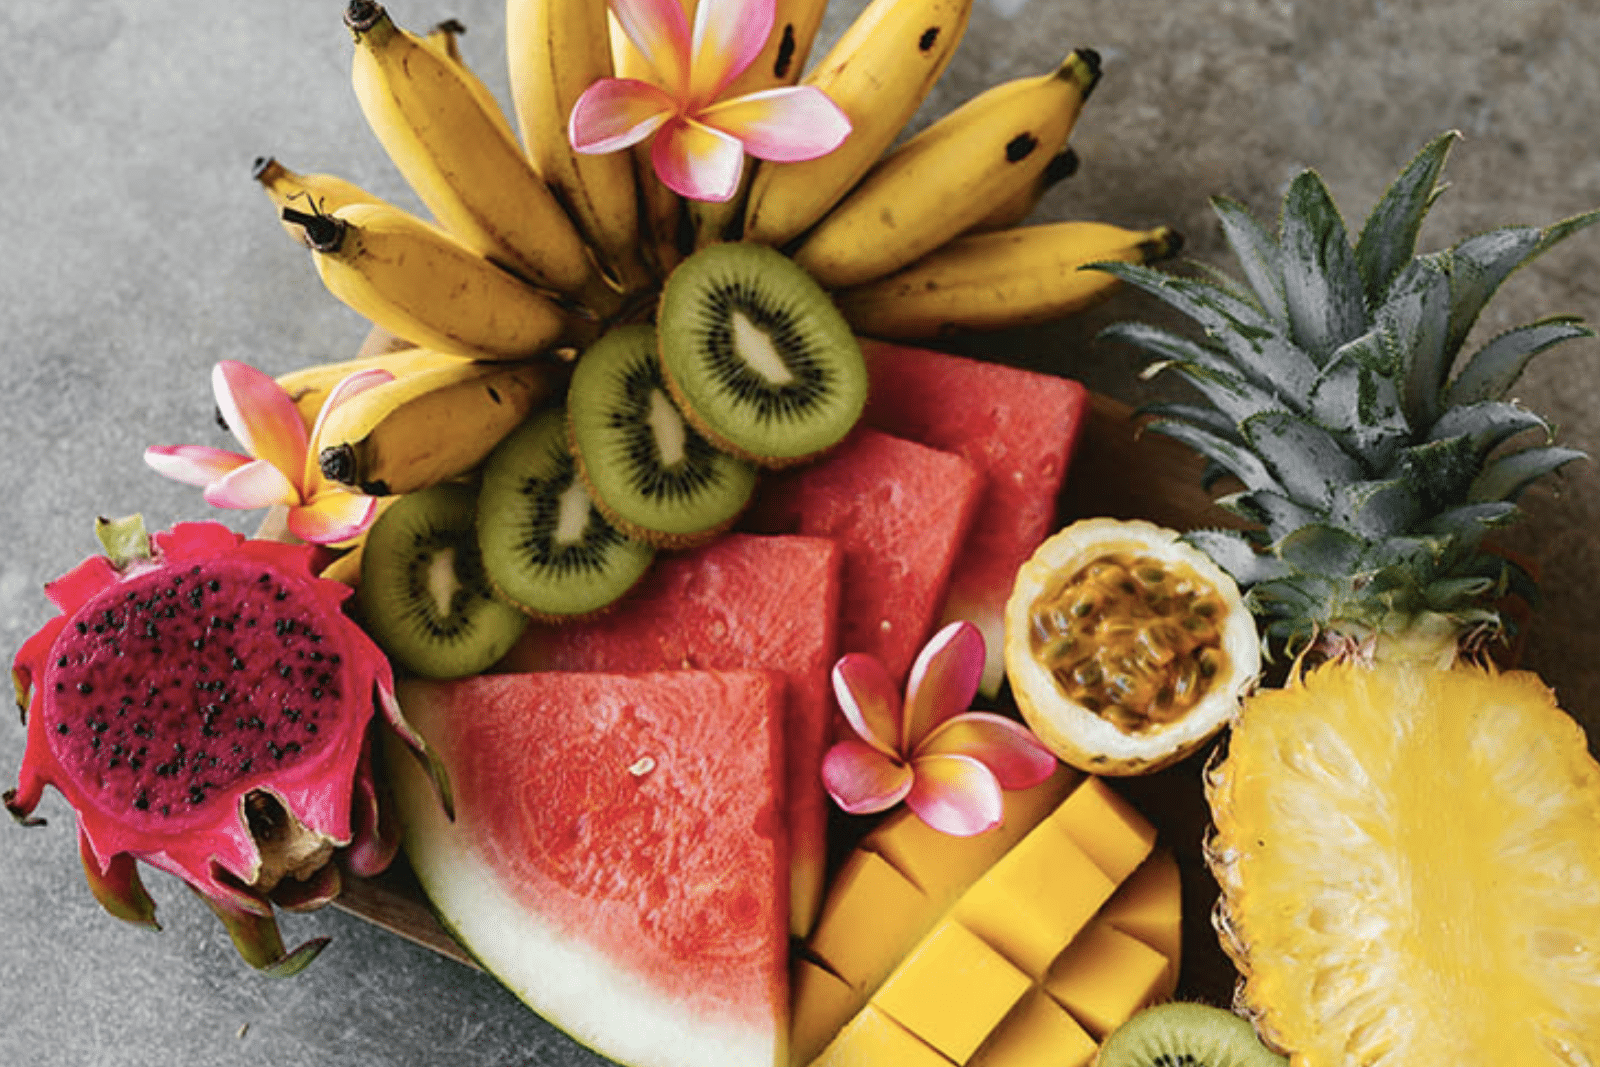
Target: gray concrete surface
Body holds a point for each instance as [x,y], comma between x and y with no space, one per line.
[137,252]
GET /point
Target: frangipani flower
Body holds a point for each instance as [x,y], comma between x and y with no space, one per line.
[281,467]
[947,763]
[700,141]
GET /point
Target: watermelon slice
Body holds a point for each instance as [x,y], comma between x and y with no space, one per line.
[899,511]
[1018,427]
[741,601]
[617,858]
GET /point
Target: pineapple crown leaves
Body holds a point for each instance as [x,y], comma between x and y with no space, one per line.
[1373,456]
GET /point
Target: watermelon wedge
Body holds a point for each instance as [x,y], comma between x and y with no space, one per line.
[899,512]
[741,601]
[1018,428]
[617,858]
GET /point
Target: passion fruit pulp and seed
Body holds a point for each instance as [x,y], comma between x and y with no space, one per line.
[1132,638]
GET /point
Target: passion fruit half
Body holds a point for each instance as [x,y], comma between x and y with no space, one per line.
[1126,647]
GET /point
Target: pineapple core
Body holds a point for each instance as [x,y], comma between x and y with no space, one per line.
[1133,639]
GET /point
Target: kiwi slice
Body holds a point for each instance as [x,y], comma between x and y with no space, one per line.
[423,595]
[757,356]
[1181,1034]
[545,546]
[650,472]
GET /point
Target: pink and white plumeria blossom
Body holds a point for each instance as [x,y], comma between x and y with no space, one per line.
[947,763]
[281,468]
[700,141]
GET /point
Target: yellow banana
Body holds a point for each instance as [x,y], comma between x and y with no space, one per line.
[460,162]
[557,49]
[309,386]
[311,193]
[878,73]
[781,62]
[943,180]
[443,39]
[661,210]
[988,281]
[419,283]
[1020,204]
[427,427]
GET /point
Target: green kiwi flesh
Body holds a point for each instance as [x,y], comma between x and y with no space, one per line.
[757,355]
[1181,1034]
[653,475]
[546,547]
[423,595]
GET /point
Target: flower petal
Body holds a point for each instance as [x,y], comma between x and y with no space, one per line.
[261,415]
[332,515]
[312,480]
[1006,747]
[615,113]
[786,125]
[257,484]
[728,36]
[862,780]
[867,696]
[698,162]
[955,795]
[193,464]
[660,30]
[943,681]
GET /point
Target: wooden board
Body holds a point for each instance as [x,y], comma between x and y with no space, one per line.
[1115,472]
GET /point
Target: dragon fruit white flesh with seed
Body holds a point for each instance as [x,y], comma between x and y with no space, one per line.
[204,705]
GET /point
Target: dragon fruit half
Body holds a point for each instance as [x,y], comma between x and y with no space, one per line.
[204,705]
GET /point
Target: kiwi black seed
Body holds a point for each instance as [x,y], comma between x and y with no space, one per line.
[757,356]
[1181,1034]
[423,595]
[649,471]
[546,547]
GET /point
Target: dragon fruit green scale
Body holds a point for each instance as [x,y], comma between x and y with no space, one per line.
[203,704]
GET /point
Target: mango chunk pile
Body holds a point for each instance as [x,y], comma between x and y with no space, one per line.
[1022,946]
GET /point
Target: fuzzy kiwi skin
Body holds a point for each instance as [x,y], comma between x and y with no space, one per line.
[1186,1033]
[497,624]
[516,460]
[826,328]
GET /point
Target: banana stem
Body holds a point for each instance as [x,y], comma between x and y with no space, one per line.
[362,15]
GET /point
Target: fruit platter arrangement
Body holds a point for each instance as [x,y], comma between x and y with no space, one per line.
[656,614]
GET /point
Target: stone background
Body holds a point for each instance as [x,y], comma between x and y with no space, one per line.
[137,252]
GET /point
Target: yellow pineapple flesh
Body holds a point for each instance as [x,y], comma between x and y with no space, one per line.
[1410,863]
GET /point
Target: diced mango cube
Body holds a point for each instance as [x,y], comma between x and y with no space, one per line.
[1105,976]
[821,1003]
[1149,905]
[952,990]
[874,1040]
[1037,1033]
[1106,827]
[1035,899]
[943,866]
[870,920]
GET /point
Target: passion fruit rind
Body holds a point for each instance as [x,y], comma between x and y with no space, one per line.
[1126,647]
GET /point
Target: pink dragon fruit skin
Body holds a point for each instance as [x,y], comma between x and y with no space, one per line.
[203,703]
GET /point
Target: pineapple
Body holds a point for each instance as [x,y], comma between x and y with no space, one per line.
[1407,839]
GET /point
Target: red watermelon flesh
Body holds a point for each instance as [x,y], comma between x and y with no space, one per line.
[1019,428]
[740,601]
[617,858]
[899,512]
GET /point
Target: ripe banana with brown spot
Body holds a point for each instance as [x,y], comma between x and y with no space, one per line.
[946,178]
[878,73]
[431,426]
[421,284]
[309,386]
[556,49]
[781,62]
[444,39]
[1019,205]
[461,162]
[311,193]
[989,281]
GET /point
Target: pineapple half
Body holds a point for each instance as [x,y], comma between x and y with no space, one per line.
[1407,840]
